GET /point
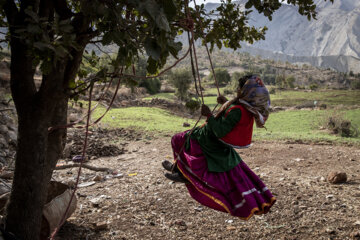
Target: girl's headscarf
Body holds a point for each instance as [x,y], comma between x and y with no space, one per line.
[255,97]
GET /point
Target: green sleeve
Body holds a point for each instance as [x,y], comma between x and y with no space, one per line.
[223,125]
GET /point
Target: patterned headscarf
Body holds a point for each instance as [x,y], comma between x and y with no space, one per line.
[255,97]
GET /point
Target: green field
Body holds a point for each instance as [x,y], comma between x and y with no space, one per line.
[329,97]
[156,121]
[288,98]
[286,125]
[305,125]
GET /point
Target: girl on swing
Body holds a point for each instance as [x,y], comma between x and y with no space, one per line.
[212,170]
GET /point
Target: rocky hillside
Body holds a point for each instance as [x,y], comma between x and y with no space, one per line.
[333,40]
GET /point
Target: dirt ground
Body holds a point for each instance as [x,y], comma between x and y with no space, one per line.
[138,202]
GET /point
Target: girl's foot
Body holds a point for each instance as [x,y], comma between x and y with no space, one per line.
[176,177]
[167,165]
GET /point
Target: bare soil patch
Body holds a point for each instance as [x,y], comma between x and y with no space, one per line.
[138,202]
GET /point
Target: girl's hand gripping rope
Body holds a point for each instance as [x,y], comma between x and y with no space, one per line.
[221,99]
[205,111]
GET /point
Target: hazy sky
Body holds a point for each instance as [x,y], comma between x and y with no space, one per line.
[205,1]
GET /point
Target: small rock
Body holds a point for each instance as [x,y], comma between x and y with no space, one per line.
[180,223]
[101,226]
[337,177]
[198,209]
[185,124]
[330,231]
[298,159]
[230,228]
[98,178]
[229,221]
[357,223]
[330,196]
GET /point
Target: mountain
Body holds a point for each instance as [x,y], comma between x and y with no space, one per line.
[333,40]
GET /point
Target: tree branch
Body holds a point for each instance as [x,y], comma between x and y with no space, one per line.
[87,166]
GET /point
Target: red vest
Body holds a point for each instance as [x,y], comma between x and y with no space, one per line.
[241,134]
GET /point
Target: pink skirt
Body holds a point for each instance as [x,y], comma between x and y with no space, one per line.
[239,191]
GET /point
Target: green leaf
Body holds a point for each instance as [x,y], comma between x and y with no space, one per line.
[107,38]
[155,12]
[170,8]
[174,48]
[72,84]
[153,49]
[249,4]
[162,22]
[152,66]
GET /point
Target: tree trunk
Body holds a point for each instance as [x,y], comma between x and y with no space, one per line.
[37,154]
[37,149]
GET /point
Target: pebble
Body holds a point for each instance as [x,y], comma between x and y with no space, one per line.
[330,231]
[337,177]
[101,226]
[98,178]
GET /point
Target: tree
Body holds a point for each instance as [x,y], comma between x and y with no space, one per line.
[181,80]
[290,81]
[53,34]
[222,76]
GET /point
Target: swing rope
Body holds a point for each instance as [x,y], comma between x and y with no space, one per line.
[193,48]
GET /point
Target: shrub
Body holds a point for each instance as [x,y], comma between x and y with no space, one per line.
[181,79]
[231,88]
[272,90]
[280,80]
[222,76]
[192,105]
[268,78]
[313,86]
[340,126]
[355,84]
[152,85]
[290,81]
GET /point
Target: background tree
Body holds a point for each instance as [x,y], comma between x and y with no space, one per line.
[222,76]
[53,34]
[181,80]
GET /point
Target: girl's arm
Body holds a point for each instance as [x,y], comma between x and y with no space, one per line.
[223,125]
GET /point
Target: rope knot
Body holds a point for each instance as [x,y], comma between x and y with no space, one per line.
[187,24]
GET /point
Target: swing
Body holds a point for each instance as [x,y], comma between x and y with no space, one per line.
[214,173]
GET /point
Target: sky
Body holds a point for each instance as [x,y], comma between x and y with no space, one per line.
[207,1]
[203,1]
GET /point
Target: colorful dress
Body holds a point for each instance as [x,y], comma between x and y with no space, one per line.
[218,177]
